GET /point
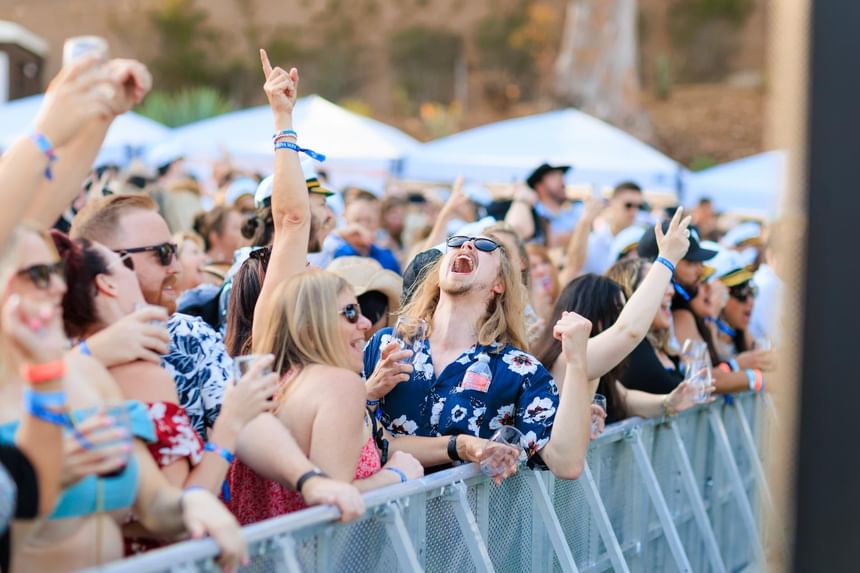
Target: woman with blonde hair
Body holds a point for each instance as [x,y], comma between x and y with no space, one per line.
[105,472]
[544,280]
[317,336]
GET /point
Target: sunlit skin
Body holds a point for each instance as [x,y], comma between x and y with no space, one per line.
[352,335]
[619,216]
[191,259]
[466,269]
[737,313]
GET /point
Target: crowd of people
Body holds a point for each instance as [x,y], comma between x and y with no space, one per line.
[177,364]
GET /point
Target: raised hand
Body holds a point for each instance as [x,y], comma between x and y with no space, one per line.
[573,331]
[673,244]
[389,371]
[593,209]
[281,87]
[80,93]
[251,395]
[457,201]
[132,81]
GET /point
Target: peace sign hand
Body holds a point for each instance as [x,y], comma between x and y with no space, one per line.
[674,243]
[281,87]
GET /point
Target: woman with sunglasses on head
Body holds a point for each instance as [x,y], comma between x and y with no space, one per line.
[105,473]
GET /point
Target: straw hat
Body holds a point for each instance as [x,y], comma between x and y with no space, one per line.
[365,274]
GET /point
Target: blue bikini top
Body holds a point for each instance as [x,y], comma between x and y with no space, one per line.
[116,492]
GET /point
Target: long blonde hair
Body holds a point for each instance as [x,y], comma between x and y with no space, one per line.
[303,329]
[504,319]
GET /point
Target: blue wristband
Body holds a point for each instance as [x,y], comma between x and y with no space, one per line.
[295,147]
[85,348]
[46,147]
[45,406]
[225,454]
[399,473]
[667,263]
[750,378]
[733,364]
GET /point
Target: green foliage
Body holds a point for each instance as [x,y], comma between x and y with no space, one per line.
[664,77]
[424,60]
[186,106]
[701,162]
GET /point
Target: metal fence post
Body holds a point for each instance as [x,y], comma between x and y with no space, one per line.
[550,522]
[659,502]
[400,540]
[286,545]
[695,497]
[469,527]
[604,526]
[737,484]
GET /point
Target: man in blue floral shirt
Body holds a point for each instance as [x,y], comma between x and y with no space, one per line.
[473,303]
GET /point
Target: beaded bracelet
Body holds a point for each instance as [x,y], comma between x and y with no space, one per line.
[46,147]
[295,147]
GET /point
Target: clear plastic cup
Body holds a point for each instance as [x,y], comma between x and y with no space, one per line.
[499,448]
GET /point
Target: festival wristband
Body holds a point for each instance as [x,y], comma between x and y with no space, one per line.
[755,379]
[733,364]
[666,263]
[399,473]
[84,348]
[46,147]
[40,373]
[224,453]
[285,133]
[295,147]
[48,407]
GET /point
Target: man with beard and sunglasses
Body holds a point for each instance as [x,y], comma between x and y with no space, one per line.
[441,412]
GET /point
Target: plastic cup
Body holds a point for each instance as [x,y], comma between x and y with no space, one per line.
[503,440]
[598,400]
[410,333]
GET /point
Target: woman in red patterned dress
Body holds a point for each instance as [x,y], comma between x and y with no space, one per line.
[316,332]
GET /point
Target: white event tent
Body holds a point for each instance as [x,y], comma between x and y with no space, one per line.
[359,150]
[507,151]
[751,184]
[129,135]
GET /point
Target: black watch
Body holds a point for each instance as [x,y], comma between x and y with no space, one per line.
[452,449]
[308,475]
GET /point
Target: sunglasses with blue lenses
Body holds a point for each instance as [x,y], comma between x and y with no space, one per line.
[351,312]
[482,244]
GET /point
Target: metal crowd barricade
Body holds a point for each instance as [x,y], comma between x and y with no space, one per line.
[655,495]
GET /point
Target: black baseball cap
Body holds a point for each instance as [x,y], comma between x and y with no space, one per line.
[542,170]
[417,270]
[648,249]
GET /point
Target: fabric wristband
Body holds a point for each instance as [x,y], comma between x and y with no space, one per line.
[46,147]
[452,449]
[295,147]
[733,364]
[48,407]
[285,133]
[400,474]
[85,348]
[225,454]
[755,379]
[308,475]
[41,373]
[667,263]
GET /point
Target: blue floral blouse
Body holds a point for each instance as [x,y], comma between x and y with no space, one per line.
[198,361]
[522,393]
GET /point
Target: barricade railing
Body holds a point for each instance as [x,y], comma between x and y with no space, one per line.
[678,494]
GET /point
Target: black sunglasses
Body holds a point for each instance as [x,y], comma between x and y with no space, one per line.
[165,253]
[637,206]
[742,293]
[352,312]
[482,244]
[40,275]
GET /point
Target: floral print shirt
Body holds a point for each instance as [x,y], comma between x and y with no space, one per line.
[522,393]
[198,361]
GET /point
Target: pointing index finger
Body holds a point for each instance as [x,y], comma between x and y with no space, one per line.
[267,67]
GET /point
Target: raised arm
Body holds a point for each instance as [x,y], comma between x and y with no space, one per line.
[577,248]
[519,216]
[564,454]
[291,211]
[610,347]
[449,210]
[75,99]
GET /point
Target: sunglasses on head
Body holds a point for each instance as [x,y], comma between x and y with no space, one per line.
[352,312]
[742,293]
[165,253]
[482,244]
[40,275]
